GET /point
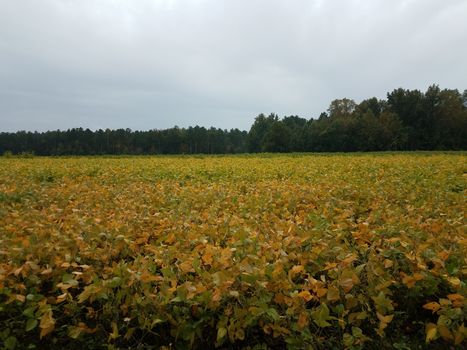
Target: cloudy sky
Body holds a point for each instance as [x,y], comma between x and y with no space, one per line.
[146,64]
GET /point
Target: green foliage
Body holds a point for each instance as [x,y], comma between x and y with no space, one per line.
[407,120]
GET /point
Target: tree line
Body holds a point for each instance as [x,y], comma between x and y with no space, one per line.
[80,141]
[405,120]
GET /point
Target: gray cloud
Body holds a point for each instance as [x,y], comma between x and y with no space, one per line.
[157,63]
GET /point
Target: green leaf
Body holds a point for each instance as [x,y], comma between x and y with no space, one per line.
[67,277]
[320,316]
[156,322]
[271,312]
[88,291]
[383,304]
[10,343]
[29,312]
[357,332]
[176,299]
[115,282]
[221,332]
[31,324]
[74,332]
[348,339]
[114,334]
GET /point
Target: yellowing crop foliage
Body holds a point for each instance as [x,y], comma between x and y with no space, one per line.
[272,251]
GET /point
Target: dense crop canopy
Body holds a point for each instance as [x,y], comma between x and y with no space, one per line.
[272,251]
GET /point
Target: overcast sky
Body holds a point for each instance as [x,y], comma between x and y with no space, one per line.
[146,64]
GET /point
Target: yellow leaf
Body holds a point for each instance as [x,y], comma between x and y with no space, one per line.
[225,258]
[454,297]
[297,269]
[61,298]
[459,338]
[148,277]
[217,295]
[302,320]
[455,282]
[321,292]
[347,261]
[443,255]
[384,319]
[47,324]
[88,292]
[278,270]
[47,271]
[329,266]
[114,334]
[348,279]
[433,306]
[460,335]
[346,284]
[170,239]
[410,281]
[20,298]
[333,294]
[445,332]
[45,331]
[207,258]
[305,295]
[431,331]
[186,266]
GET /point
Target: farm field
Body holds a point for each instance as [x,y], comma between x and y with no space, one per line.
[293,251]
